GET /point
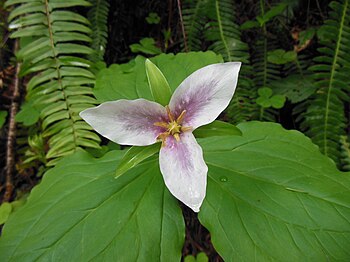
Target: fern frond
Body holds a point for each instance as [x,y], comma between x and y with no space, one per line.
[224,33]
[344,153]
[98,16]
[224,37]
[61,87]
[194,19]
[265,72]
[325,120]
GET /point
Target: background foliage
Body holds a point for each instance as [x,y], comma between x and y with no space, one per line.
[75,54]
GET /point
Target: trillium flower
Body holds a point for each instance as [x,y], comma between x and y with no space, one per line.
[198,101]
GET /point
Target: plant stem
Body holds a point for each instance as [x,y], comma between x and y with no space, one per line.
[11,136]
[299,67]
[262,9]
[182,25]
[261,113]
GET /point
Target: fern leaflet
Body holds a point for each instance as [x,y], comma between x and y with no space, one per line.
[325,119]
[61,87]
[98,15]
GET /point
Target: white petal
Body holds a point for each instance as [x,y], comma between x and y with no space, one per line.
[127,122]
[205,93]
[184,170]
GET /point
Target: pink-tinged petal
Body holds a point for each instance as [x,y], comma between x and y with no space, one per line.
[205,93]
[127,122]
[184,170]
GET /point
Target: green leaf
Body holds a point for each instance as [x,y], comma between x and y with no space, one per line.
[3,115]
[202,257]
[294,87]
[67,16]
[265,92]
[30,19]
[28,115]
[31,7]
[79,212]
[129,81]
[146,46]
[290,56]
[70,26]
[272,195]
[249,25]
[274,11]
[5,211]
[306,35]
[159,86]
[263,101]
[134,156]
[190,258]
[277,101]
[153,18]
[261,20]
[280,56]
[217,128]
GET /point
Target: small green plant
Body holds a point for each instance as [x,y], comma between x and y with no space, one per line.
[201,257]
[280,56]
[267,99]
[153,18]
[146,46]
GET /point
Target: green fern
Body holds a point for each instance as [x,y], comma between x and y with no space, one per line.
[194,19]
[61,87]
[98,15]
[344,153]
[265,72]
[224,33]
[224,37]
[325,120]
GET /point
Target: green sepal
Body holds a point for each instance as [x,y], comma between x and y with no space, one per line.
[159,86]
[134,156]
[217,128]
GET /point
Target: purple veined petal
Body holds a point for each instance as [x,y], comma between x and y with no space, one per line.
[205,93]
[184,170]
[127,122]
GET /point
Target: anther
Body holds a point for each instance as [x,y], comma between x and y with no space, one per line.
[161,124]
[162,137]
[170,115]
[181,117]
[186,128]
[177,137]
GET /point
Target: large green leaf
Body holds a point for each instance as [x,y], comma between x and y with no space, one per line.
[129,81]
[79,212]
[134,156]
[217,128]
[272,196]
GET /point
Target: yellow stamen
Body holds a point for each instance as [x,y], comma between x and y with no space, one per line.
[173,127]
[186,128]
[161,124]
[162,137]
[177,137]
[181,117]
[170,115]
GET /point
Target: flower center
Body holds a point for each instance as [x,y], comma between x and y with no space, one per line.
[173,127]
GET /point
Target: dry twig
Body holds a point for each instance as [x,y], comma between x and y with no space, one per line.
[11,136]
